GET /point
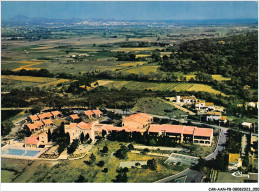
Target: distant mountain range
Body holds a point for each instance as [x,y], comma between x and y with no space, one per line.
[21,20]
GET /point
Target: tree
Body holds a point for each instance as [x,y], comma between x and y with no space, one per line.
[100,163]
[86,137]
[105,170]
[6,127]
[37,108]
[130,147]
[152,164]
[82,137]
[122,152]
[81,179]
[105,149]
[24,132]
[104,133]
[92,158]
[73,146]
[49,135]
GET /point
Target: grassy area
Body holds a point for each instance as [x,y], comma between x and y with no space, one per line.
[156,107]
[69,171]
[7,176]
[226,177]
[134,85]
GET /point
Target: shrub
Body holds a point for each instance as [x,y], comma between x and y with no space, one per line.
[100,163]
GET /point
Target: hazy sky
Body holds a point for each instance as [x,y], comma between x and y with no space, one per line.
[131,10]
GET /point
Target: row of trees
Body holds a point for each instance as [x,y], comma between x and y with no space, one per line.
[146,139]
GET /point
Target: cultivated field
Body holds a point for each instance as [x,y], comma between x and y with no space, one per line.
[128,49]
[134,85]
[143,69]
[10,82]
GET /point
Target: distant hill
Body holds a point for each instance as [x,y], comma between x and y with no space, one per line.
[21,20]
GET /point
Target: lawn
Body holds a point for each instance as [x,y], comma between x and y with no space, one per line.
[135,85]
[226,177]
[7,176]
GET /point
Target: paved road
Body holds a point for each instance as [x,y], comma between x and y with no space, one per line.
[221,142]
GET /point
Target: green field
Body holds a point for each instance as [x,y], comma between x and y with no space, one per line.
[135,85]
[7,176]
[156,107]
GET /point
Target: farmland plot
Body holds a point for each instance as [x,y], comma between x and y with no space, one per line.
[135,85]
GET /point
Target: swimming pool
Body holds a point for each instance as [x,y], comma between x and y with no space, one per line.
[20,152]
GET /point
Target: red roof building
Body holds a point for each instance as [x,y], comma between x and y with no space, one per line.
[34,118]
[89,113]
[33,140]
[74,116]
[203,132]
[83,125]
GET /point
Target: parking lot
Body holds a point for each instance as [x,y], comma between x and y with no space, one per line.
[178,159]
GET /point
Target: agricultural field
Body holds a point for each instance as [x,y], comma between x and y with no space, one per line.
[10,82]
[134,49]
[143,69]
[134,85]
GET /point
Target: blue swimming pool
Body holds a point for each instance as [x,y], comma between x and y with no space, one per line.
[20,152]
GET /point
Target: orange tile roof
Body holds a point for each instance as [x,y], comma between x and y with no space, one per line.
[88,112]
[112,127]
[97,112]
[33,140]
[47,121]
[34,117]
[48,114]
[154,128]
[204,132]
[214,113]
[233,157]
[188,130]
[55,113]
[136,118]
[144,115]
[42,116]
[74,116]
[72,125]
[84,125]
[38,123]
[32,126]
[172,128]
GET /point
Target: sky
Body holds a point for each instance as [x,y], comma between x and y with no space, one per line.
[131,10]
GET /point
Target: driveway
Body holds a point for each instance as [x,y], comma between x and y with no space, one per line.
[220,146]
